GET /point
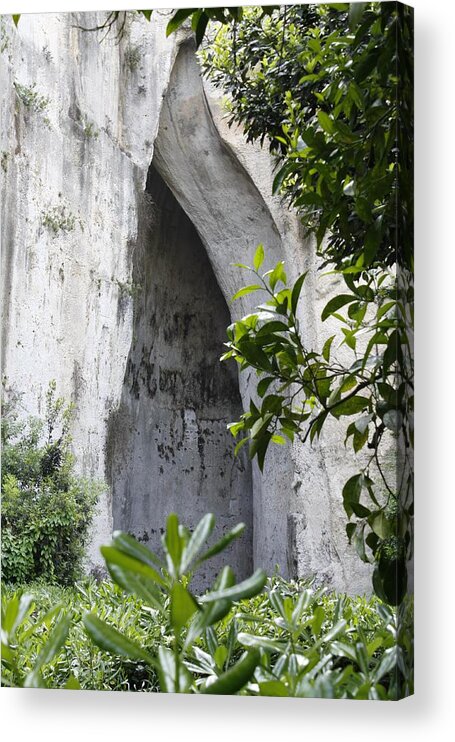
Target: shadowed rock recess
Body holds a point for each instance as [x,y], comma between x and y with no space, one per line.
[169,446]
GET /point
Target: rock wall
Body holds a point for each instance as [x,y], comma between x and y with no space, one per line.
[125,201]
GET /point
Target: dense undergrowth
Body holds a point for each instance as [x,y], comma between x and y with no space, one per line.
[47,509]
[340,647]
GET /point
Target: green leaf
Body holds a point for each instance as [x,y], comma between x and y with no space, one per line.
[183,605]
[146,13]
[178,18]
[296,290]
[358,540]
[336,630]
[281,175]
[201,533]
[360,510]
[132,547]
[258,257]
[195,18]
[271,327]
[273,688]
[246,290]
[173,541]
[355,14]
[246,589]
[54,643]
[264,385]
[110,640]
[356,95]
[278,274]
[16,611]
[318,620]
[255,356]
[236,677]
[16,17]
[372,242]
[393,420]
[224,542]
[327,347]
[326,122]
[113,556]
[350,528]
[208,616]
[336,303]
[380,525]
[137,585]
[167,673]
[72,683]
[200,28]
[260,425]
[262,642]
[349,188]
[360,439]
[350,406]
[387,665]
[242,442]
[34,679]
[351,494]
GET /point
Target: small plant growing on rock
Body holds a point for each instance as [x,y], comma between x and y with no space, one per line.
[29,96]
[132,58]
[59,219]
[128,288]
[89,129]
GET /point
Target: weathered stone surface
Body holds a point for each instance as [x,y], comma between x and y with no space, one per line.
[169,447]
[119,288]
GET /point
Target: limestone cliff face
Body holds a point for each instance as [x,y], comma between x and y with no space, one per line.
[125,201]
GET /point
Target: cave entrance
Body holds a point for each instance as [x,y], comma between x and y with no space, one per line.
[172,451]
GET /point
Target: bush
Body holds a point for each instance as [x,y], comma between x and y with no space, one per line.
[78,663]
[46,509]
[148,632]
[341,647]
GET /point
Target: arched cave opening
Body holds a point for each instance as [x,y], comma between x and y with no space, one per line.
[168,447]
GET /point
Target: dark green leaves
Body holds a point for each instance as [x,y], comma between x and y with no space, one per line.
[183,605]
[236,677]
[355,14]
[54,642]
[338,301]
[246,589]
[296,290]
[350,406]
[326,122]
[351,493]
[174,544]
[199,23]
[130,565]
[111,640]
[178,18]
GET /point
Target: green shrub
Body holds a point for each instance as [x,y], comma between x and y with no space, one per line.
[79,663]
[340,646]
[289,641]
[46,509]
